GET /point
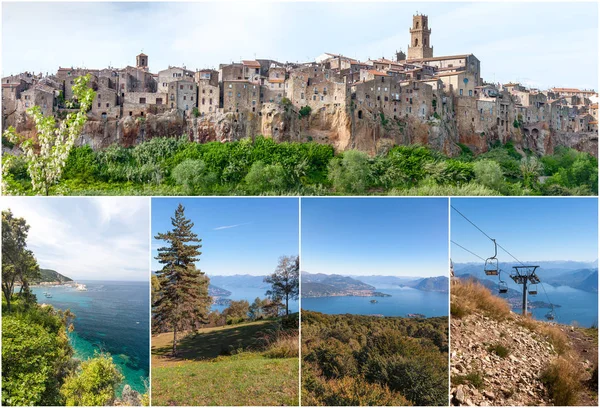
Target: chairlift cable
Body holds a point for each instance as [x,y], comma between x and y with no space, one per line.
[471,252]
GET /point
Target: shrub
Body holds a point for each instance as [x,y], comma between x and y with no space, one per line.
[498,349]
[488,173]
[33,358]
[263,178]
[285,346]
[194,177]
[195,112]
[474,378]
[304,111]
[95,383]
[352,174]
[563,381]
[472,296]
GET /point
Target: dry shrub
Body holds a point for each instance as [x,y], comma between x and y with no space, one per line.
[350,391]
[283,345]
[552,333]
[562,378]
[471,296]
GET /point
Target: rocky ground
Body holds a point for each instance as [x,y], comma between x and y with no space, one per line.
[497,363]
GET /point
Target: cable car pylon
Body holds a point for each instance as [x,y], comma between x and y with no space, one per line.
[523,275]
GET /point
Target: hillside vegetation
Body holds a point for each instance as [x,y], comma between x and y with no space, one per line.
[354,360]
[501,358]
[247,364]
[169,166]
[49,275]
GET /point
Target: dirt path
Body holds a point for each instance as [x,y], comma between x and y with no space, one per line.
[585,343]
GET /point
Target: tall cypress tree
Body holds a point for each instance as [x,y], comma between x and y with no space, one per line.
[183,301]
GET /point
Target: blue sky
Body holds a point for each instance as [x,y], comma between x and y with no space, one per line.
[375,236]
[101,238]
[540,44]
[239,235]
[532,229]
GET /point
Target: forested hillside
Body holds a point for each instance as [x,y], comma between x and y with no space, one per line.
[367,360]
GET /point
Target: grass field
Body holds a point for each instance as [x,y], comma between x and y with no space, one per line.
[204,375]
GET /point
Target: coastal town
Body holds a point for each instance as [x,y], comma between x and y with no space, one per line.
[342,101]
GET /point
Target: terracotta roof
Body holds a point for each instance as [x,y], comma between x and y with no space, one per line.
[594,106]
[276,80]
[377,73]
[142,55]
[253,64]
[512,84]
[593,122]
[443,58]
[571,90]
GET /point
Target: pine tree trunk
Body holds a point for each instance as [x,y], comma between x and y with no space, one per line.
[175,341]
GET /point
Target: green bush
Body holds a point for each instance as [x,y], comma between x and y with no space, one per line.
[94,384]
[194,177]
[350,174]
[304,111]
[488,173]
[265,178]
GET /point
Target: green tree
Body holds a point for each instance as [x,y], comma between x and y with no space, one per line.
[94,384]
[489,173]
[530,169]
[46,159]
[351,174]
[257,309]
[184,299]
[237,311]
[18,263]
[285,280]
[265,177]
[194,176]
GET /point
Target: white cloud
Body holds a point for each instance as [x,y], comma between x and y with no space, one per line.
[100,238]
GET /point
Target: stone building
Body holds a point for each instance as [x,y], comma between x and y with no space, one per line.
[105,104]
[209,97]
[12,87]
[38,95]
[420,45]
[241,96]
[182,95]
[173,74]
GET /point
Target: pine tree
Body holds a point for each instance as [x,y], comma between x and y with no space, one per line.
[184,301]
[285,281]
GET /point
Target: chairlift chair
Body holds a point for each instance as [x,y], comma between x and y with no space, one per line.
[502,287]
[491,264]
[550,315]
[533,290]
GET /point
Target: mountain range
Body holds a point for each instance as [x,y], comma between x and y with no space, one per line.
[556,273]
[320,284]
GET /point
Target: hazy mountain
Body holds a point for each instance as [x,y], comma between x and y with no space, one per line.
[583,279]
[384,281]
[239,281]
[49,275]
[435,284]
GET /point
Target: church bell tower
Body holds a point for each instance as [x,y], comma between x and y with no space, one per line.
[419,46]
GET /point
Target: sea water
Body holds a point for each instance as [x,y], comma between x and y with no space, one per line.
[111,317]
[401,303]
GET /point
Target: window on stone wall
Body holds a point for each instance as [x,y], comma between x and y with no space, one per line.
[181,87]
[108,105]
[210,101]
[142,100]
[184,97]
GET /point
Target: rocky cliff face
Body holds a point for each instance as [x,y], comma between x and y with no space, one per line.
[337,126]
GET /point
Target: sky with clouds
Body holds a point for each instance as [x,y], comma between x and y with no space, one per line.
[102,238]
[539,44]
[532,229]
[375,236]
[239,235]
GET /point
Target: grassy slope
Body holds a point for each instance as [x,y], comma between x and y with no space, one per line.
[199,376]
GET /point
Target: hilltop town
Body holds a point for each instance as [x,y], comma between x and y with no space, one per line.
[440,101]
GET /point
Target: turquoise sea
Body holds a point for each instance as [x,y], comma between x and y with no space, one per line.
[401,303]
[112,317]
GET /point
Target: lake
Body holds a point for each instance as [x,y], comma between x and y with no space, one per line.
[576,305]
[402,302]
[110,316]
[249,294]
